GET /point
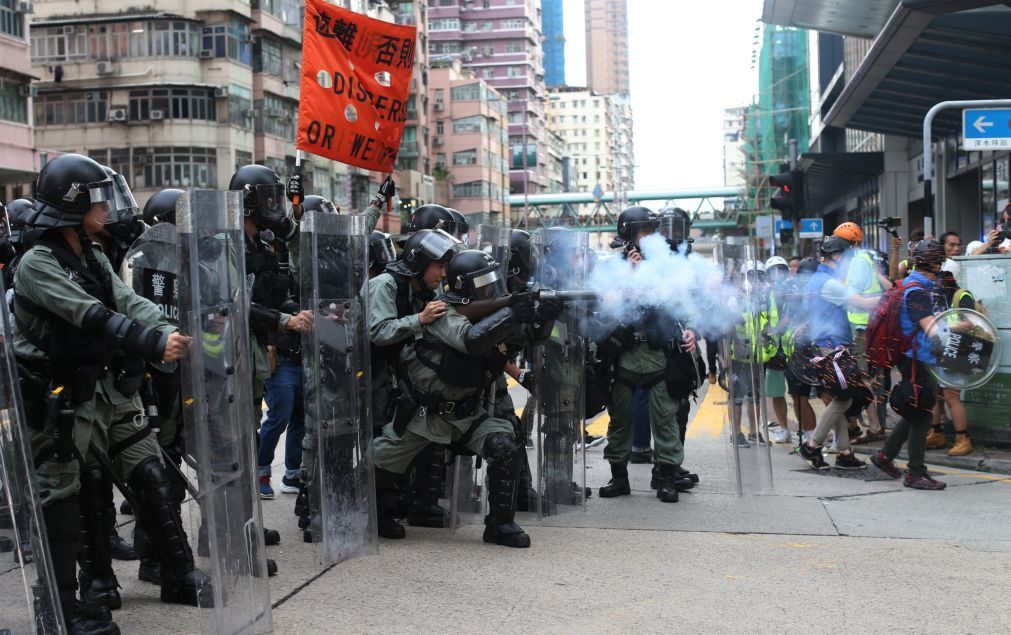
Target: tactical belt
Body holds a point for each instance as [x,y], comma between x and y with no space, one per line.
[649,383]
[457,409]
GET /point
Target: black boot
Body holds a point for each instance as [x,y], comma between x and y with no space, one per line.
[683,473]
[150,565]
[666,489]
[618,485]
[125,508]
[386,505]
[427,486]
[63,530]
[181,582]
[271,537]
[99,586]
[502,453]
[681,483]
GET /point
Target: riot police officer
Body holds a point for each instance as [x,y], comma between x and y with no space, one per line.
[446,373]
[432,216]
[82,340]
[460,225]
[381,252]
[401,302]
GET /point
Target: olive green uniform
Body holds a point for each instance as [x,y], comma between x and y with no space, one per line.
[110,417]
[387,329]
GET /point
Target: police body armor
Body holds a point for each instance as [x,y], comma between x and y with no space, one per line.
[217,391]
[336,359]
[31,599]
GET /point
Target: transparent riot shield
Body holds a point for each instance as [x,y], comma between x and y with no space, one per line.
[559,361]
[465,480]
[219,413]
[30,599]
[748,445]
[335,355]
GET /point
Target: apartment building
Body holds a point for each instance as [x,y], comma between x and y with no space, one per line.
[18,160]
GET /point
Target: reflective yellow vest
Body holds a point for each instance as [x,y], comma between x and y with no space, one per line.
[860,318]
[773,342]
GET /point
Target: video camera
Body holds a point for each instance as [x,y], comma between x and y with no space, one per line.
[889,224]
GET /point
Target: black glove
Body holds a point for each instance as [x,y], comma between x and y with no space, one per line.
[295,191]
[527,380]
[386,191]
[549,310]
[523,309]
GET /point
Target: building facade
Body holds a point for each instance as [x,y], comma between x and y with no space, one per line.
[733,148]
[607,46]
[182,95]
[469,144]
[553,27]
[18,159]
[500,40]
[414,164]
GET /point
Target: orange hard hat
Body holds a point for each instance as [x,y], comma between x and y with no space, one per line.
[849,231]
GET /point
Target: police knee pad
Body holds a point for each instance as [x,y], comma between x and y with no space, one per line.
[501,446]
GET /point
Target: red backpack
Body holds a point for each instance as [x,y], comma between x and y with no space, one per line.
[886,343]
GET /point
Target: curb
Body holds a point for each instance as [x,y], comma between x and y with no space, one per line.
[971,462]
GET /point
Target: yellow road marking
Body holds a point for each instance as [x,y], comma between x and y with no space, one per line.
[598,425]
[708,421]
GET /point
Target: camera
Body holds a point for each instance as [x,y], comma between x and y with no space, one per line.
[890,222]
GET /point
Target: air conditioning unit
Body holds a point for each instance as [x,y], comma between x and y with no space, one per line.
[24,6]
[489,51]
[105,68]
[157,115]
[437,141]
[117,113]
[206,54]
[28,90]
[221,92]
[439,106]
[274,113]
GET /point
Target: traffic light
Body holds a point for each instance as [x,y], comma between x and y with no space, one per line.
[789,198]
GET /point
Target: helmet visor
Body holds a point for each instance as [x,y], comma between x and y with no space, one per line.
[382,251]
[440,245]
[673,228]
[488,284]
[117,195]
[266,203]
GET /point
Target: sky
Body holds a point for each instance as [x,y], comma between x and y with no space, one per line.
[689,60]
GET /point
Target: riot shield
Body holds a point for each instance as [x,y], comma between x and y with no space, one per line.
[561,259]
[218,411]
[748,446]
[30,599]
[465,479]
[335,355]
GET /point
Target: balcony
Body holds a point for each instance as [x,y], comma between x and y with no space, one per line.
[408,150]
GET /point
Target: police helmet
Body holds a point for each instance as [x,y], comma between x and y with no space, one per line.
[424,247]
[519,253]
[432,216]
[381,251]
[315,203]
[69,185]
[834,245]
[928,254]
[849,231]
[461,226]
[635,220]
[161,208]
[675,225]
[262,194]
[22,235]
[473,275]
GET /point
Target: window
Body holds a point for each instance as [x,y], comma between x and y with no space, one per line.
[322,185]
[465,157]
[287,10]
[276,116]
[240,106]
[472,190]
[470,124]
[175,167]
[444,24]
[514,71]
[13,105]
[267,56]
[229,40]
[440,128]
[468,92]
[283,167]
[116,158]
[174,103]
[488,73]
[512,24]
[444,48]
[11,23]
[242,159]
[514,47]
[70,108]
[57,44]
[486,26]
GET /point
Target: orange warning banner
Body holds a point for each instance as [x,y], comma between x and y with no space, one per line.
[356,78]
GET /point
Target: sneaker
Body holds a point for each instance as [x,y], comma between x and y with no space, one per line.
[813,457]
[290,487]
[592,441]
[849,462]
[885,464]
[780,435]
[805,436]
[922,481]
[742,441]
[266,491]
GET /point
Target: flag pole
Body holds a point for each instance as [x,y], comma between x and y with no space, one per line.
[298,173]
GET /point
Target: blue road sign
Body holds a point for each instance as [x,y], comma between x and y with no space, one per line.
[986,128]
[783,224]
[811,228]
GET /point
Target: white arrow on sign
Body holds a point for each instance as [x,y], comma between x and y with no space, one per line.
[981,124]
